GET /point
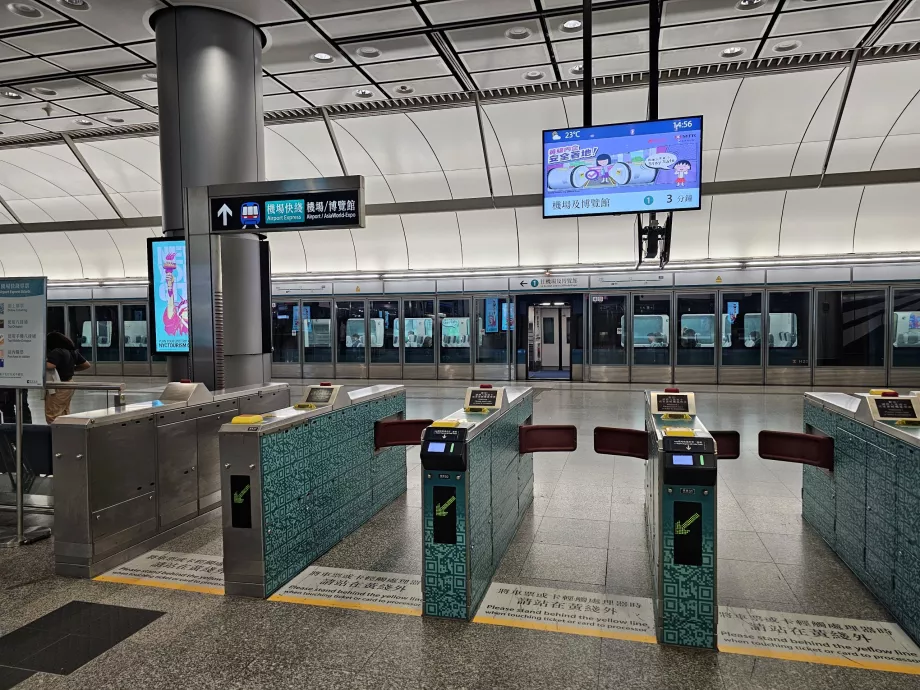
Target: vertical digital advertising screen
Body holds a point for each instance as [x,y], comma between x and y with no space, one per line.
[633,167]
[169,307]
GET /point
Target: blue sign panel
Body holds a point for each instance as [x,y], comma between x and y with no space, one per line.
[284,211]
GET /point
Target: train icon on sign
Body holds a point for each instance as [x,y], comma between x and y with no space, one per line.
[250,213]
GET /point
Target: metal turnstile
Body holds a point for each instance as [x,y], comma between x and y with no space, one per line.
[130,478]
[680,511]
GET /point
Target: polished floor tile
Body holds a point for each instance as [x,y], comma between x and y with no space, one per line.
[573,563]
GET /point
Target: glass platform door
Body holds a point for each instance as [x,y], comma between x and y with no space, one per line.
[135,341]
[608,327]
[741,338]
[788,339]
[454,339]
[850,338]
[416,331]
[317,340]
[383,339]
[80,331]
[351,339]
[695,338]
[904,337]
[492,339]
[650,338]
[286,327]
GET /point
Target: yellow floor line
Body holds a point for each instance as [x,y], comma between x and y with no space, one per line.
[826,660]
[569,629]
[355,605]
[204,589]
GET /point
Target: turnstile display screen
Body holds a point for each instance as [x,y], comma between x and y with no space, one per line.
[895,408]
[682,459]
[688,533]
[319,395]
[445,514]
[673,403]
[436,447]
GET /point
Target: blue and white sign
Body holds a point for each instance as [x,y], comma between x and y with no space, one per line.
[23,309]
[287,211]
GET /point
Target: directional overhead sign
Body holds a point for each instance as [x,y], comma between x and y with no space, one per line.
[322,203]
[549,283]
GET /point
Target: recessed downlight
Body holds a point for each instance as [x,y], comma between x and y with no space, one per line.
[74,4]
[114,119]
[518,33]
[150,76]
[11,95]
[533,75]
[43,91]
[23,9]
[733,52]
[364,93]
[744,5]
[404,89]
[84,122]
[368,52]
[571,26]
[786,46]
[578,69]
[322,58]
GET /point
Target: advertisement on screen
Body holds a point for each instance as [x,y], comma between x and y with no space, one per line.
[491,315]
[623,168]
[169,302]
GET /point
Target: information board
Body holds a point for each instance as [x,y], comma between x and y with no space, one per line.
[23,310]
[320,395]
[673,403]
[483,397]
[167,272]
[895,408]
[308,210]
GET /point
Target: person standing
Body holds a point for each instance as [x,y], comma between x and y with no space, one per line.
[63,357]
[8,409]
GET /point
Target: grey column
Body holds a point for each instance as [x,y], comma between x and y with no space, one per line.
[209,82]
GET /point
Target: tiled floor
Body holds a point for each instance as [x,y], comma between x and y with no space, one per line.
[584,532]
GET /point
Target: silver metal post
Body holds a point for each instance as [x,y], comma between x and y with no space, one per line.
[20,530]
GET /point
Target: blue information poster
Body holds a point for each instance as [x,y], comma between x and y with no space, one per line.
[22,332]
[492,315]
[169,286]
[624,168]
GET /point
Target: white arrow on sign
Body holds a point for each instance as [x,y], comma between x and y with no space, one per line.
[224,213]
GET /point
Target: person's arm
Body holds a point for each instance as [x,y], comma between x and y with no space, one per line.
[49,366]
[80,363]
[82,366]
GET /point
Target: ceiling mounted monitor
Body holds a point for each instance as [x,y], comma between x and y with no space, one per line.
[634,167]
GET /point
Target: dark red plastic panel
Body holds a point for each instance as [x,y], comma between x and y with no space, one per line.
[728,444]
[632,443]
[806,449]
[399,432]
[547,438]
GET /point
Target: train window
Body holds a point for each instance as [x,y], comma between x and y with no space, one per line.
[651,331]
[316,323]
[783,331]
[383,326]
[455,331]
[697,330]
[549,330]
[352,339]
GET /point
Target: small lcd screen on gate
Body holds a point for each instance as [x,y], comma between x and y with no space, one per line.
[682,460]
[436,447]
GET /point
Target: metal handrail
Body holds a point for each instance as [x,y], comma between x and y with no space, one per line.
[91,386]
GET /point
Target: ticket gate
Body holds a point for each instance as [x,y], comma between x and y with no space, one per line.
[130,478]
[477,483]
[680,511]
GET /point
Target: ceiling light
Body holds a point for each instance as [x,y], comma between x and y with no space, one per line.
[74,4]
[786,46]
[732,52]
[11,95]
[570,27]
[84,122]
[578,69]
[404,89]
[364,93]
[114,119]
[43,91]
[533,75]
[23,10]
[748,4]
[368,52]
[518,33]
[322,58]
[150,76]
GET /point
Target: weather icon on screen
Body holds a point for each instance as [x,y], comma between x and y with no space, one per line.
[556,136]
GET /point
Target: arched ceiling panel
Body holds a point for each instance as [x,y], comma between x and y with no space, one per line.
[909,121]
[854,155]
[329,250]
[526,179]
[287,252]
[433,240]
[453,134]
[54,171]
[66,208]
[59,259]
[711,99]
[394,142]
[99,256]
[489,238]
[381,246]
[284,161]
[819,221]
[124,165]
[745,225]
[756,162]
[809,158]
[776,109]
[690,236]
[898,152]
[28,211]
[469,184]
[608,107]
[18,257]
[424,186]
[132,245]
[546,242]
[312,140]
[611,239]
[139,204]
[892,207]
[519,126]
[377,191]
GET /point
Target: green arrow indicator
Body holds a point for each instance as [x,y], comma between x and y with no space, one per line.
[681,528]
[441,510]
[238,497]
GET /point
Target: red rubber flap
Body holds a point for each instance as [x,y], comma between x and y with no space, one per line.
[631,443]
[806,449]
[728,444]
[399,432]
[547,438]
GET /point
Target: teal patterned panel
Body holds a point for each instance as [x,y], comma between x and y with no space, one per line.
[321,480]
[446,567]
[689,605]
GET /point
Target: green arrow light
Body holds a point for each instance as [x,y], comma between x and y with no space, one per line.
[441,510]
[238,497]
[681,528]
